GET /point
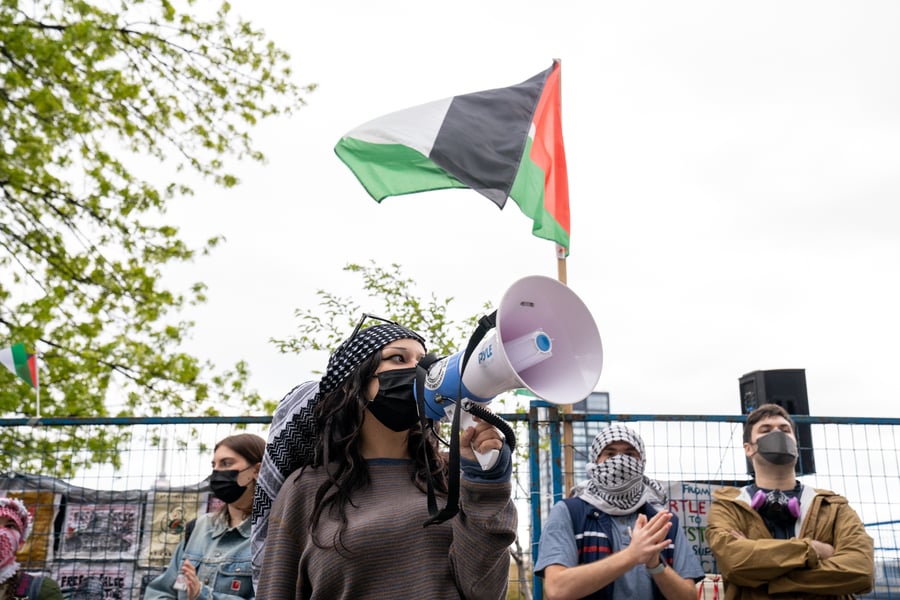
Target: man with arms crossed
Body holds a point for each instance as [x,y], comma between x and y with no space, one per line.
[779,538]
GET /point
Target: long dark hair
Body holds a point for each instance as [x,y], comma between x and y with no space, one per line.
[339,416]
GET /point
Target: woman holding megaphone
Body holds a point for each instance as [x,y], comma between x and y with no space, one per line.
[349,523]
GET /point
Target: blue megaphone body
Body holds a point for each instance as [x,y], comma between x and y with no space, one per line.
[493,368]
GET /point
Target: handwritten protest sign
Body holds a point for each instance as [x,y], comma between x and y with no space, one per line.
[690,502]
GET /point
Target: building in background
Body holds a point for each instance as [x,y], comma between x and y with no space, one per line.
[583,432]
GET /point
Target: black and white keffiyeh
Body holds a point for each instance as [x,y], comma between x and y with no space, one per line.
[617,486]
[292,440]
[293,434]
[350,354]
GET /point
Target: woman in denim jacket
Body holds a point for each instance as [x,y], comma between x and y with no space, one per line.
[214,561]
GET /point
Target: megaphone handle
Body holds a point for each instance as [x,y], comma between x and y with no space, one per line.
[488,459]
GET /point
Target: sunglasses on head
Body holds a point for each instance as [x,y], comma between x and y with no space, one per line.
[362,320]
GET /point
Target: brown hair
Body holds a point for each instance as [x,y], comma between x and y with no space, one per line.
[248,445]
[764,411]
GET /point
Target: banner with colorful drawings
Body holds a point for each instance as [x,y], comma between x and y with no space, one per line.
[168,511]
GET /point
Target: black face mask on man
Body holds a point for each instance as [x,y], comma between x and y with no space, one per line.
[224,485]
[395,403]
[778,447]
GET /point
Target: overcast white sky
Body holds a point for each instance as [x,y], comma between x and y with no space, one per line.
[734,171]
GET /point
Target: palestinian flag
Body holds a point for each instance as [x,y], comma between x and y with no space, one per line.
[20,363]
[503,143]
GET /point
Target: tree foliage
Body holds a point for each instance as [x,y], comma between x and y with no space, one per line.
[393,296]
[89,91]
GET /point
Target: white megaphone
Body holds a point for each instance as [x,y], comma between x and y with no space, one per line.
[545,340]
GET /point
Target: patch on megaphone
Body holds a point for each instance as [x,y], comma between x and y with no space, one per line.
[435,376]
[444,385]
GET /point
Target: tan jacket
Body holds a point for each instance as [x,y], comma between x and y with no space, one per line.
[760,566]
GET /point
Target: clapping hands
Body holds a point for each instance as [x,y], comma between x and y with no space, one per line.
[648,538]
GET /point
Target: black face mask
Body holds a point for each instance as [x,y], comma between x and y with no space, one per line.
[777,447]
[224,485]
[395,403]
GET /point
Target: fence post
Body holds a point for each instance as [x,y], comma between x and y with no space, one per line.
[556,455]
[534,470]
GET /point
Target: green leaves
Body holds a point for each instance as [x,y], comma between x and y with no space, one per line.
[87,93]
[394,297]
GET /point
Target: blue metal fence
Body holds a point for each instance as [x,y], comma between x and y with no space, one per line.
[165,456]
[857,457]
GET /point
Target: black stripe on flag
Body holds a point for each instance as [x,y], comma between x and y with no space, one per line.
[483,136]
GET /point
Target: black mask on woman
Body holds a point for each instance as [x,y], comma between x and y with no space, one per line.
[395,403]
[224,485]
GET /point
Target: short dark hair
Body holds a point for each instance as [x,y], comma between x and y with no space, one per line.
[764,411]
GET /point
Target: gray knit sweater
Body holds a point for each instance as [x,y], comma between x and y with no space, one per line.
[389,554]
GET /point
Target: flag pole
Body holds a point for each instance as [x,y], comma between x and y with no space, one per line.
[568,434]
[561,264]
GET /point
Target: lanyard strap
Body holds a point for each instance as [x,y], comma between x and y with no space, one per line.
[485,324]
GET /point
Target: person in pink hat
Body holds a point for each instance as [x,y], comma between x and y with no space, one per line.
[15,527]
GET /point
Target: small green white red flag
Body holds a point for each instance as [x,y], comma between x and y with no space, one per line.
[20,362]
[503,143]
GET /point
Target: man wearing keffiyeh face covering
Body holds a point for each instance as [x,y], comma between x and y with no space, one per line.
[614,539]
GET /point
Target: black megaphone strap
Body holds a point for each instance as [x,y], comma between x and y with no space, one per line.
[485,324]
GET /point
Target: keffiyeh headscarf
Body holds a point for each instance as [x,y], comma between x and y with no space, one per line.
[617,486]
[293,433]
[11,539]
[351,353]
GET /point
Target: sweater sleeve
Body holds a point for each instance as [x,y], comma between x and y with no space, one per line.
[850,570]
[278,577]
[482,533]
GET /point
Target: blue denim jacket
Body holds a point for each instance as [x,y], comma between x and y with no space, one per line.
[221,555]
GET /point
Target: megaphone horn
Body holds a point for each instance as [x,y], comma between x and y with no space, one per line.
[545,340]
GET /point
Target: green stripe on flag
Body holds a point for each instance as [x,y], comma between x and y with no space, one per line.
[528,192]
[393,169]
[22,358]
[19,362]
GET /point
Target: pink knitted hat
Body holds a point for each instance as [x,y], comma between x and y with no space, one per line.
[15,510]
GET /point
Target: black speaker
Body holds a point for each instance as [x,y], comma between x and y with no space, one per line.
[787,389]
